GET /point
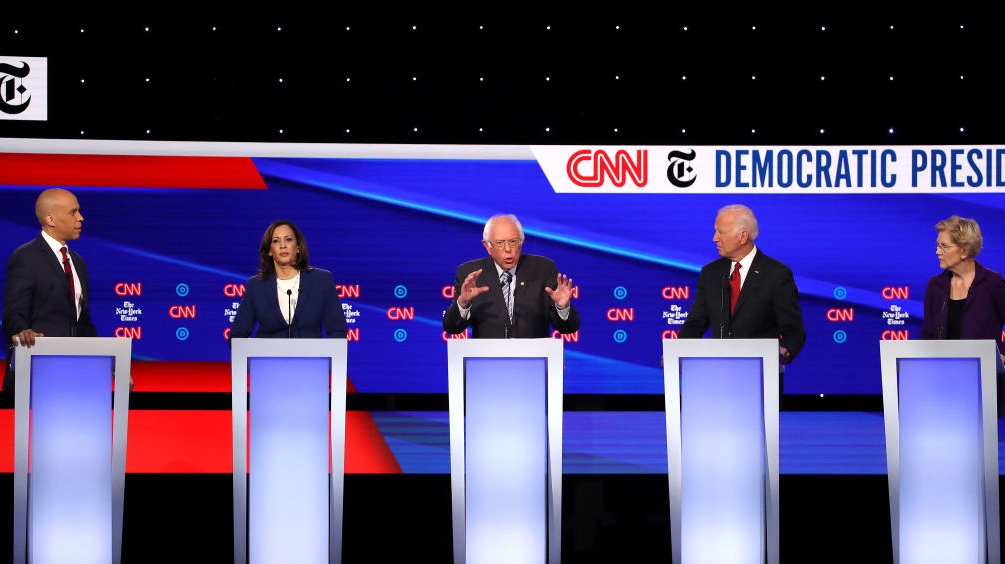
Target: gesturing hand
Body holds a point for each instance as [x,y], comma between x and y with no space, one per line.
[562,294]
[470,289]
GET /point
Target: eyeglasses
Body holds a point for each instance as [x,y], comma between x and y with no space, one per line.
[944,247]
[502,244]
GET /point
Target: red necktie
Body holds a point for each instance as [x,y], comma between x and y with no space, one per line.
[734,288]
[69,276]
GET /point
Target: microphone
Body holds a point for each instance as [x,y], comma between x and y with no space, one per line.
[723,289]
[942,317]
[289,322]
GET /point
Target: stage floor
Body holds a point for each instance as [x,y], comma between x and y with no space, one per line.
[618,519]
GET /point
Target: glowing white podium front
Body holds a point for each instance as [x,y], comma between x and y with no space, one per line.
[70,511]
[722,449]
[505,406]
[288,402]
[941,416]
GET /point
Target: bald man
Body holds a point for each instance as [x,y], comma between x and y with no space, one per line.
[40,298]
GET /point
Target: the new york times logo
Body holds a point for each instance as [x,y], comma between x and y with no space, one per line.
[22,88]
[680,173]
[14,97]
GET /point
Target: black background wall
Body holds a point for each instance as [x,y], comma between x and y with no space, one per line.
[613,74]
[631,74]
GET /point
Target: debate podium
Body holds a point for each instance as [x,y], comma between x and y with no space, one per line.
[722,407]
[69,456]
[941,418]
[505,410]
[289,449]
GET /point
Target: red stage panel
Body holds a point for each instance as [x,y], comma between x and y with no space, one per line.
[132,171]
[200,441]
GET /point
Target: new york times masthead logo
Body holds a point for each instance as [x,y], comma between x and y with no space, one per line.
[23,86]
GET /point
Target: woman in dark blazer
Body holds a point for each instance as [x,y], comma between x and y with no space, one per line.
[288,298]
[966,300]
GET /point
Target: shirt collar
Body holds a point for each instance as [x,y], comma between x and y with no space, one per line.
[53,244]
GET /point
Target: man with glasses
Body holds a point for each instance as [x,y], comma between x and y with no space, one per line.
[510,295]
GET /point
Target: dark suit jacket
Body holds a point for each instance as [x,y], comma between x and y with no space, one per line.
[37,296]
[318,312]
[534,311]
[767,308]
[983,312]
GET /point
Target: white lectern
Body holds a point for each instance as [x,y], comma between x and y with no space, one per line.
[506,449]
[941,416]
[289,449]
[70,511]
[722,449]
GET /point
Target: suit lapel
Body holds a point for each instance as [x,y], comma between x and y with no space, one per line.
[56,268]
[751,282]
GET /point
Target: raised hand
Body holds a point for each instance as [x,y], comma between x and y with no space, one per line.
[470,289]
[562,294]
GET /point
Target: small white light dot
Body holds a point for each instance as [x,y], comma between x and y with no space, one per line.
[891,79]
[279,28]
[81,31]
[617,27]
[415,27]
[961,26]
[685,28]
[753,130]
[683,131]
[547,28]
[82,80]
[961,77]
[415,78]
[415,130]
[347,79]
[753,28]
[481,79]
[547,79]
[823,28]
[683,77]
[962,129]
[821,130]
[15,32]
[753,77]
[347,29]
[148,132]
[821,395]
[280,131]
[81,131]
[213,28]
[617,77]
[615,130]
[890,131]
[146,28]
[147,80]
[481,27]
[822,77]
[347,130]
[481,129]
[280,80]
[891,28]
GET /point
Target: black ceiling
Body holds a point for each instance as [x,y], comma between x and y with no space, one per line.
[614,75]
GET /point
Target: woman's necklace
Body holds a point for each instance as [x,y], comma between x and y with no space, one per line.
[295,274]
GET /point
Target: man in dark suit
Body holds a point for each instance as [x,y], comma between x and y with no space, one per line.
[541,297]
[45,294]
[768,303]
